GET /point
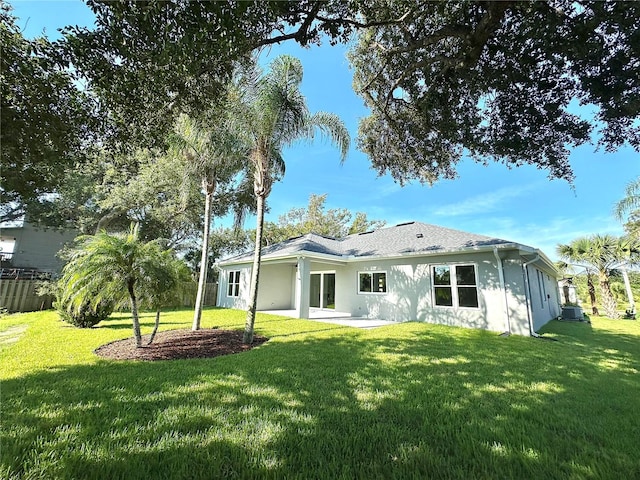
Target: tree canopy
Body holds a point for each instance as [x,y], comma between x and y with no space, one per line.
[315,218]
[46,123]
[495,80]
[151,61]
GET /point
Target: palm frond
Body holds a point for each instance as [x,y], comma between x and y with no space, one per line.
[334,128]
[630,202]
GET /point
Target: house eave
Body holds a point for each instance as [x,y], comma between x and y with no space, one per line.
[288,258]
[545,262]
[343,260]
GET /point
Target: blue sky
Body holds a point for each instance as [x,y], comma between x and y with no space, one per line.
[519,204]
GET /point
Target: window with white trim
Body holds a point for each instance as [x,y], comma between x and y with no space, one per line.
[455,286]
[233,287]
[372,282]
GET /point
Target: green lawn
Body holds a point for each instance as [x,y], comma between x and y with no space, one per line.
[323,401]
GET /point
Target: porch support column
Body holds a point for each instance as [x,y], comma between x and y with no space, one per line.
[303,281]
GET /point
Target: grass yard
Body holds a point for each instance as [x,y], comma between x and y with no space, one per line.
[322,401]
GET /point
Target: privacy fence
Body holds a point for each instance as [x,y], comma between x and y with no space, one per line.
[19,295]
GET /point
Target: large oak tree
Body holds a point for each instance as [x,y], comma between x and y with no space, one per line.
[151,61]
[46,123]
[495,80]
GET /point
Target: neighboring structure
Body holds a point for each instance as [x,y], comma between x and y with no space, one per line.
[34,248]
[568,293]
[28,256]
[412,271]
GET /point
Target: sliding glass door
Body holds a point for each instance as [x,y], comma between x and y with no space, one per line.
[322,290]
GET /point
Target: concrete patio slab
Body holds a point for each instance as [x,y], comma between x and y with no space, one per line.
[332,316]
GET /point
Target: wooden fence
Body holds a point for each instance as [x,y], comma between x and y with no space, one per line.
[189,295]
[20,296]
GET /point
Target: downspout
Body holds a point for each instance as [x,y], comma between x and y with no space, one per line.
[503,288]
[527,294]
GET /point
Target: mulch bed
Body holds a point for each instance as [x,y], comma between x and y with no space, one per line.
[176,344]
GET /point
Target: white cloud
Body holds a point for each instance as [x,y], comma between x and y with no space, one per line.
[548,234]
[485,202]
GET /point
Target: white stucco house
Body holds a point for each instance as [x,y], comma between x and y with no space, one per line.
[411,271]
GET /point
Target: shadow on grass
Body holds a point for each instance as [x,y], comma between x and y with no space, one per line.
[413,402]
[125,326]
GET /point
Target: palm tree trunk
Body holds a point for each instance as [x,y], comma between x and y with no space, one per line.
[592,294]
[247,337]
[608,302]
[155,327]
[627,287]
[134,315]
[204,259]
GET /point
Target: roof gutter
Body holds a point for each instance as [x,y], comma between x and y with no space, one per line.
[344,259]
[503,288]
[527,295]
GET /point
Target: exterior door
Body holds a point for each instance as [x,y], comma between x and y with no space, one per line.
[322,290]
[315,287]
[329,290]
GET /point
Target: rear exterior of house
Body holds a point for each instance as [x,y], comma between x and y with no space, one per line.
[412,271]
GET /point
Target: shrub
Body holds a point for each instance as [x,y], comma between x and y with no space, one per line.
[86,316]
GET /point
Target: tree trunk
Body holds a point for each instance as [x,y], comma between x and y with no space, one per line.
[592,294]
[204,258]
[134,315]
[247,337]
[627,287]
[155,327]
[106,219]
[608,301]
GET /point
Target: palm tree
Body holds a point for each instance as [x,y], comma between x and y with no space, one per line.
[571,254]
[277,115]
[214,155]
[630,202]
[602,254]
[113,268]
[160,291]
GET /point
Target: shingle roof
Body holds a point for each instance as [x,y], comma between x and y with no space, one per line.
[404,238]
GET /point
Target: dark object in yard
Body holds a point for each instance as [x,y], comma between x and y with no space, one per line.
[179,344]
[630,314]
[572,313]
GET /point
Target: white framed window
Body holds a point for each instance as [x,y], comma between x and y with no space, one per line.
[372,282]
[455,286]
[233,283]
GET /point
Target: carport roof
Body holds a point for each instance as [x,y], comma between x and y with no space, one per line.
[403,239]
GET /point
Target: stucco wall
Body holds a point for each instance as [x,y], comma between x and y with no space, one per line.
[543,308]
[544,297]
[276,285]
[241,301]
[515,293]
[409,292]
[274,292]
